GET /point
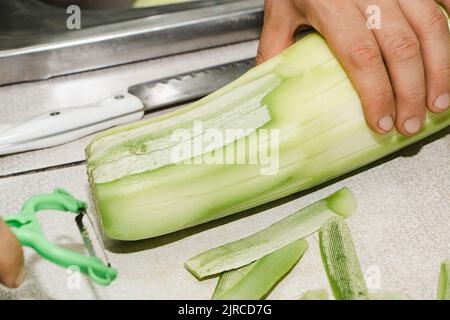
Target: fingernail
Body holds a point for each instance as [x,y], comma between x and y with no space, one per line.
[442,102]
[386,123]
[20,278]
[412,125]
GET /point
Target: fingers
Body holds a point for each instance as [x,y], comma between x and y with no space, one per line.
[11,258]
[398,70]
[281,21]
[431,26]
[357,49]
[401,50]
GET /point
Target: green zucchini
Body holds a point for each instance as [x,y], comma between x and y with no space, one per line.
[298,115]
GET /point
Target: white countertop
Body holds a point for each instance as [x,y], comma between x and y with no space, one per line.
[401,230]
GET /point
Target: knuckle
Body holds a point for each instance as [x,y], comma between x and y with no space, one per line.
[436,22]
[404,48]
[364,55]
[384,98]
[416,96]
[443,74]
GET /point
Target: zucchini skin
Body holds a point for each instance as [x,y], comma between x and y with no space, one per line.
[255,281]
[323,135]
[444,281]
[340,261]
[298,225]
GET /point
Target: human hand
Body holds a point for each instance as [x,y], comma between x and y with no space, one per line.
[12,271]
[399,70]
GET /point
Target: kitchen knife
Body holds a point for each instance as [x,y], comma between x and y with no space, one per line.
[60,126]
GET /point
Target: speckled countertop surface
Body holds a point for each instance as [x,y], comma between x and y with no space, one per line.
[401,230]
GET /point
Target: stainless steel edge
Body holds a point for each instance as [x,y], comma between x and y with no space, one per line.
[164,92]
[133,40]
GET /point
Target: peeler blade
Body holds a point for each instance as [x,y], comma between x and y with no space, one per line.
[86,236]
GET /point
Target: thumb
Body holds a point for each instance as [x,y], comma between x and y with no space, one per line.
[12,271]
[281,21]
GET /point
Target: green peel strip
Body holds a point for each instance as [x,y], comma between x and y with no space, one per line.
[444,281]
[341,261]
[296,226]
[256,280]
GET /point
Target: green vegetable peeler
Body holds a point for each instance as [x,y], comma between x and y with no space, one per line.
[25,225]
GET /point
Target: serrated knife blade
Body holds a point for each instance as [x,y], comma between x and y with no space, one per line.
[189,86]
[60,126]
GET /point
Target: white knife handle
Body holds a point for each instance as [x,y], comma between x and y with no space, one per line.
[64,125]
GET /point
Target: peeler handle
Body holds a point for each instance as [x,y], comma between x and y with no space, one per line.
[59,200]
[91,266]
[26,220]
[26,227]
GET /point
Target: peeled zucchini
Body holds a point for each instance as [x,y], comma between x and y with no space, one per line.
[300,107]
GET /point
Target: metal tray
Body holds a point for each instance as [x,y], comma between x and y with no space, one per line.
[36,48]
